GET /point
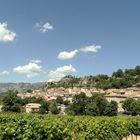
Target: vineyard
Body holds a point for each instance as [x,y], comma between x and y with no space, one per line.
[49,127]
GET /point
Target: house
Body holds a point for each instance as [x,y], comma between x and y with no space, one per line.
[1,108]
[32,107]
[62,109]
[115,97]
[120,95]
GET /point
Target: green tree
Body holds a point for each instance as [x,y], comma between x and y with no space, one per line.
[92,109]
[59,100]
[29,90]
[129,72]
[83,105]
[69,110]
[79,103]
[66,102]
[116,83]
[44,106]
[131,105]
[54,108]
[11,102]
[126,105]
[118,74]
[135,107]
[137,70]
[111,109]
[100,102]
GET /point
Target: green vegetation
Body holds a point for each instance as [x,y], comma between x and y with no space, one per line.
[29,90]
[45,127]
[111,109]
[54,108]
[13,103]
[96,105]
[59,100]
[119,79]
[132,106]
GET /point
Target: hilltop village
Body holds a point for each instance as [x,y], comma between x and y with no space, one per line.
[117,95]
[79,96]
[119,87]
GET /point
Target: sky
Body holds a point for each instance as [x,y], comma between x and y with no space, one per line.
[45,40]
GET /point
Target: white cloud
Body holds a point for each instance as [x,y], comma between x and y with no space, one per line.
[44,27]
[66,69]
[5,72]
[30,70]
[91,48]
[6,35]
[67,55]
[35,61]
[60,72]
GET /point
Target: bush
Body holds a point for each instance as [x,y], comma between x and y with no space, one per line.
[49,127]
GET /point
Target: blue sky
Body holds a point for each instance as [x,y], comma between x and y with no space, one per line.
[43,40]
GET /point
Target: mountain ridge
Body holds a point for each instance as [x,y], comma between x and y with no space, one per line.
[118,79]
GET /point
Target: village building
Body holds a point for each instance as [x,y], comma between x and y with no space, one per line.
[62,109]
[118,98]
[119,95]
[1,108]
[115,97]
[32,107]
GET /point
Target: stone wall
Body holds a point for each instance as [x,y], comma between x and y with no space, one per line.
[132,137]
